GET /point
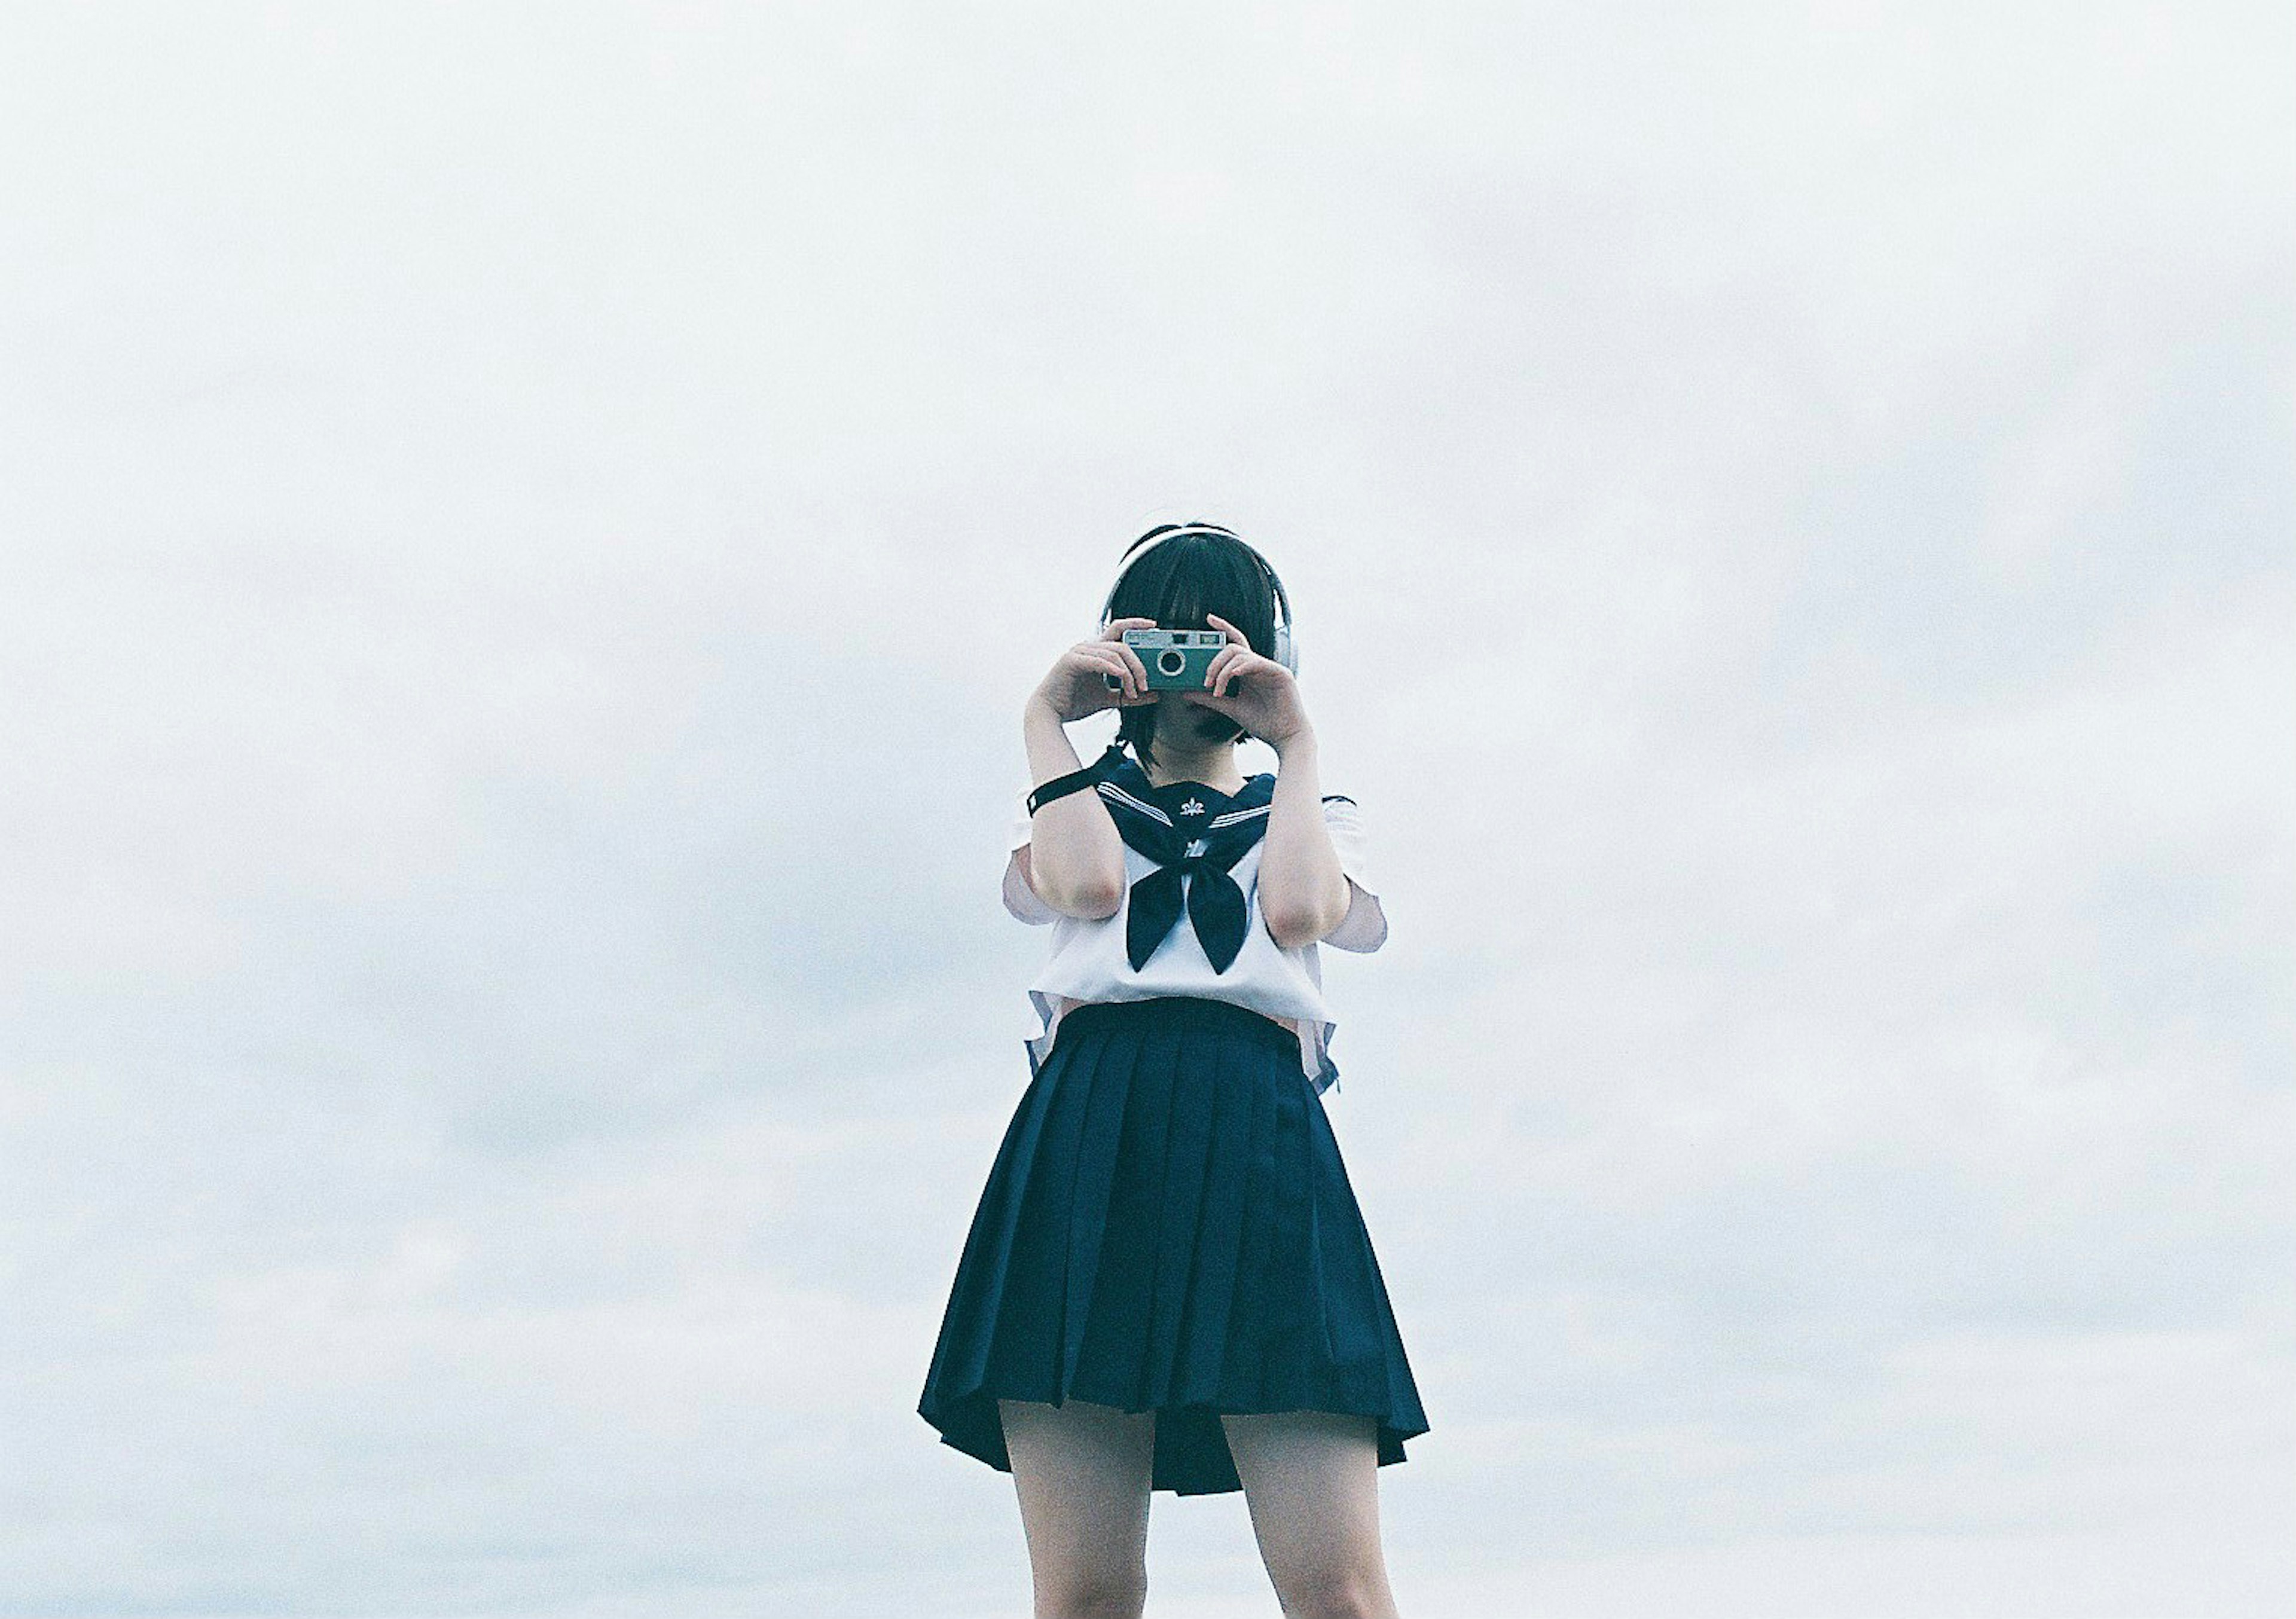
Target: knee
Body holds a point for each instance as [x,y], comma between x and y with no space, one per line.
[1113,1594]
[1340,1594]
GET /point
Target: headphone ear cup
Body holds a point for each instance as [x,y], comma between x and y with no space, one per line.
[1287,650]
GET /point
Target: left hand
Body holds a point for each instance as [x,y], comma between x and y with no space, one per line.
[1258,693]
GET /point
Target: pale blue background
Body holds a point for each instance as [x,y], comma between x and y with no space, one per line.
[526,532]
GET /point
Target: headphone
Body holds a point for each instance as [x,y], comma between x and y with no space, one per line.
[1287,645]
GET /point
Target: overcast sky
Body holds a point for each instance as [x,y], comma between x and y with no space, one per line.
[524,534]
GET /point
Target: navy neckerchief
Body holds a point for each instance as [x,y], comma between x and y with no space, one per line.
[1193,834]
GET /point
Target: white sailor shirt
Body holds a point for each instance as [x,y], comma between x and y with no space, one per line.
[1088,959]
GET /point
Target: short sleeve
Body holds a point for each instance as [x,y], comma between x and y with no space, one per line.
[1022,900]
[1364,928]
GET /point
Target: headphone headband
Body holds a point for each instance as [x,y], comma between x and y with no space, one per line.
[1287,646]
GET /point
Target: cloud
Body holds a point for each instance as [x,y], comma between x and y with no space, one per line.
[525,548]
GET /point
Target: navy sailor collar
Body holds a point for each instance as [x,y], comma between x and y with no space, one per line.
[1192,834]
[1188,806]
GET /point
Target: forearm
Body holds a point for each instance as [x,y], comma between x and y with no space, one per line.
[1303,893]
[1075,858]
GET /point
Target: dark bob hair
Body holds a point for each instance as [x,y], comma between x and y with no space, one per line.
[1180,583]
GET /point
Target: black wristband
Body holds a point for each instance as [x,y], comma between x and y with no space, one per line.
[1077,781]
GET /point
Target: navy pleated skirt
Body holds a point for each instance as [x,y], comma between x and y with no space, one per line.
[1167,1227]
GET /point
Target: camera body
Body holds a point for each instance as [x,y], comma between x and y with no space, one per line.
[1175,659]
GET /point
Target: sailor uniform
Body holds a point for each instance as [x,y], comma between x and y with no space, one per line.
[1167,1224]
[1138,953]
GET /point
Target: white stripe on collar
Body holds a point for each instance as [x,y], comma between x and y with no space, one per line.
[1111,790]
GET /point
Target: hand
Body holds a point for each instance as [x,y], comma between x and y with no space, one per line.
[1266,702]
[1075,686]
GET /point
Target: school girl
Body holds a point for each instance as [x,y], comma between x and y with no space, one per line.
[1168,1283]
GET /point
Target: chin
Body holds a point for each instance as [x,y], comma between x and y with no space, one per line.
[1198,727]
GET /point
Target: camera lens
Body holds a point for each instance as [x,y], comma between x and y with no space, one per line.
[1171,660]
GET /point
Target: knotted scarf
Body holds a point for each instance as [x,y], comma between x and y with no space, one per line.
[1195,835]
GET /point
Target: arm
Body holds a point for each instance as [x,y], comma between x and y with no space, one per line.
[1303,891]
[1074,859]
[1303,894]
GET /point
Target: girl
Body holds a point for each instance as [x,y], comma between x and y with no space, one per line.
[1167,1284]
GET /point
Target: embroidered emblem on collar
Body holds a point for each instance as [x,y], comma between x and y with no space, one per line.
[1193,806]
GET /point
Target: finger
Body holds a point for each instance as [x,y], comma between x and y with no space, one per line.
[1115,634]
[1229,630]
[1100,655]
[1229,653]
[1237,666]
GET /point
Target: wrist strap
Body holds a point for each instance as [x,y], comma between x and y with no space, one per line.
[1077,781]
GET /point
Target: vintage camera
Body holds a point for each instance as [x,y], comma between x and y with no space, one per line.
[1175,659]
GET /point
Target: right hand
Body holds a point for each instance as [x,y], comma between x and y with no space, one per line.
[1075,686]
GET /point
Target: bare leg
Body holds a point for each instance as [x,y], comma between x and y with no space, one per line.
[1082,1471]
[1311,1480]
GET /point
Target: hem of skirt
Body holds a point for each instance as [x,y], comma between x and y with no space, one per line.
[946,1416]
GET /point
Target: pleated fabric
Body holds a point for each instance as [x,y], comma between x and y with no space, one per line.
[1168,1226]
